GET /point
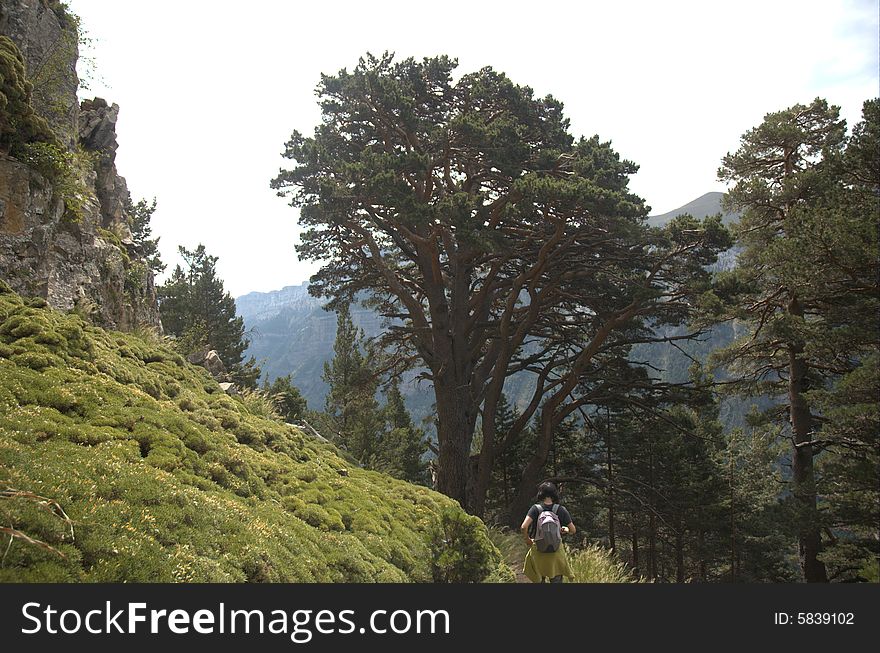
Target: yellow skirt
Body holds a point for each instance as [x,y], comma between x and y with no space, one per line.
[546,565]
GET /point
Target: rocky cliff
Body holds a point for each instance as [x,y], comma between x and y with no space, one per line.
[82,259]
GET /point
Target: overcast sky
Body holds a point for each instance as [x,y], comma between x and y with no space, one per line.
[209,91]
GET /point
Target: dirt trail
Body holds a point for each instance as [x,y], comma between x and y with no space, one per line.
[516,560]
[514,550]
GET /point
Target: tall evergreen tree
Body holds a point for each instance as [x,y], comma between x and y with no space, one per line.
[775,173]
[451,202]
[196,309]
[808,265]
[351,399]
[402,446]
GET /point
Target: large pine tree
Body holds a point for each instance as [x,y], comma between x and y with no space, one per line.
[449,202]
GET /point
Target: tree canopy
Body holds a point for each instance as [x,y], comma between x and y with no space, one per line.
[468,212]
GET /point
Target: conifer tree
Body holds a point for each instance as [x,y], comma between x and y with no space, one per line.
[351,401]
[140,215]
[196,309]
[402,447]
[809,265]
[449,203]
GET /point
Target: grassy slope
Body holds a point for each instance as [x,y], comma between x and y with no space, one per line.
[166,478]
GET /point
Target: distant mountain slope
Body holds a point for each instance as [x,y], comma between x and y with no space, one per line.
[292,334]
[708,204]
[265,305]
[674,362]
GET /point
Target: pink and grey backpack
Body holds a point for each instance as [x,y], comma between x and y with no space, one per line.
[548,529]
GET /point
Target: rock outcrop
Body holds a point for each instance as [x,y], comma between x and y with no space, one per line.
[73,265]
[97,133]
[210,360]
[86,261]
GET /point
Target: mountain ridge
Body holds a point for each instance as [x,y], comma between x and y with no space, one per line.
[704,205]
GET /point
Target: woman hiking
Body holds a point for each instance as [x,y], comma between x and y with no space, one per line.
[543,528]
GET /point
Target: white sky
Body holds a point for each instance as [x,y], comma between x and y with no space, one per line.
[209,91]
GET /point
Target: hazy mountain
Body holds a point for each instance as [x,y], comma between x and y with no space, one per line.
[708,204]
[292,334]
[674,362]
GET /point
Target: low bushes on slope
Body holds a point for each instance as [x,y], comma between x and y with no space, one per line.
[163,477]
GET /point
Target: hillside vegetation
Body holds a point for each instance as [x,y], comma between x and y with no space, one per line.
[119,461]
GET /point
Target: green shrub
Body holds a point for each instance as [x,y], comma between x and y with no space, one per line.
[460,549]
[65,170]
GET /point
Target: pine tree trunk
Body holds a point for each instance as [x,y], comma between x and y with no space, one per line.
[809,544]
[611,539]
[455,430]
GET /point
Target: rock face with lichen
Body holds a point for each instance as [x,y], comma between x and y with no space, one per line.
[88,261]
[48,39]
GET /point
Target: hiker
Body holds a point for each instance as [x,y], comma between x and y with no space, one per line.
[543,528]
